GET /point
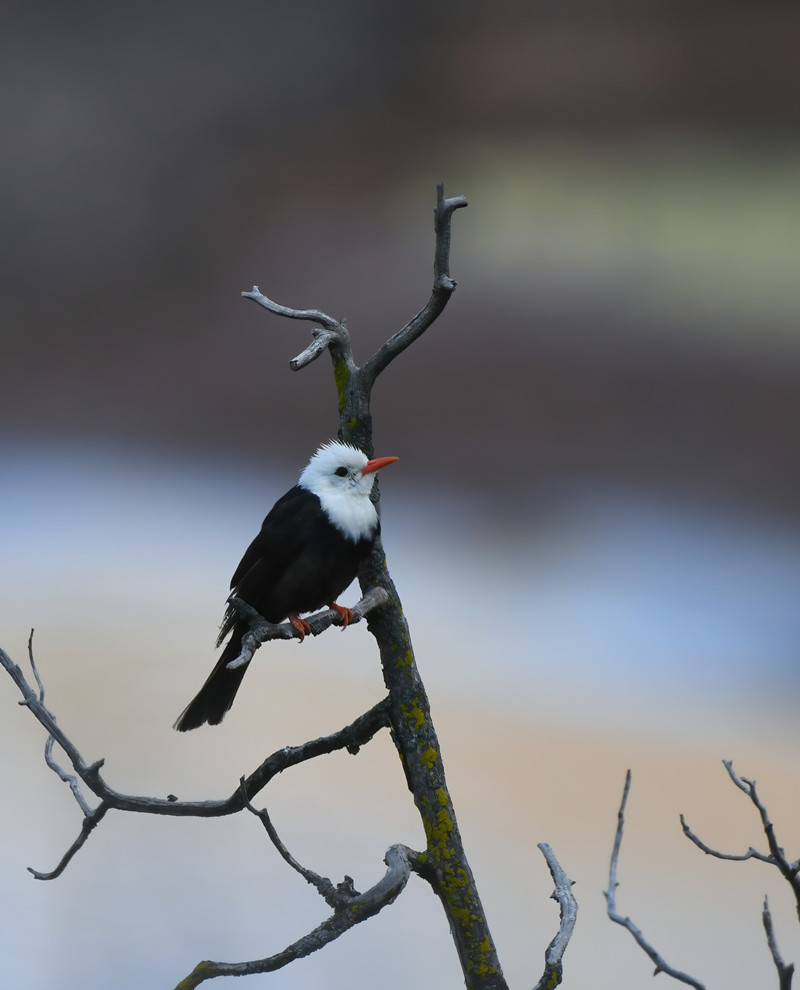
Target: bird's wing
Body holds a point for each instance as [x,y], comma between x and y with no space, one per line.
[281,539]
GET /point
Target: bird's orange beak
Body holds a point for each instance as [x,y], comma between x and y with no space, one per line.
[377,463]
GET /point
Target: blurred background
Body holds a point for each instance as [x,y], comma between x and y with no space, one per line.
[593,526]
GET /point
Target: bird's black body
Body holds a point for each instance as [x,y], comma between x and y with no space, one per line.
[298,562]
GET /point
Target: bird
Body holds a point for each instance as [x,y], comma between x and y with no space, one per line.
[307,552]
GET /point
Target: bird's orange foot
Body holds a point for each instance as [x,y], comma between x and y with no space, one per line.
[345,614]
[300,625]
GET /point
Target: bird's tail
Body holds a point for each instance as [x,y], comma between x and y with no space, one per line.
[216,696]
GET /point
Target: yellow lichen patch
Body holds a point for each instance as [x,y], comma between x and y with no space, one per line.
[439,828]
[478,953]
[484,969]
[413,713]
[457,880]
[192,980]
[406,660]
[429,758]
[341,375]
[455,886]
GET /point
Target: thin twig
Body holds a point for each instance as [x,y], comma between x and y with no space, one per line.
[33,668]
[351,738]
[49,759]
[776,857]
[90,822]
[336,896]
[323,339]
[554,956]
[785,971]
[662,966]
[443,288]
[68,778]
[315,315]
[736,857]
[261,631]
[789,870]
[333,334]
[384,892]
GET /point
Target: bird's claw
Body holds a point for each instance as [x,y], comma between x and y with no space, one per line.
[345,614]
[300,625]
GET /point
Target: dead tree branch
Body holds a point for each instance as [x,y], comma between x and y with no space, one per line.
[350,738]
[333,332]
[443,288]
[360,907]
[49,759]
[335,895]
[662,966]
[333,327]
[262,631]
[785,971]
[554,956]
[776,857]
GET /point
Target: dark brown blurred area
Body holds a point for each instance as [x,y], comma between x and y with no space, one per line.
[159,159]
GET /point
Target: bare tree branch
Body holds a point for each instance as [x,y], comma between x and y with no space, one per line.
[354,384]
[443,288]
[362,906]
[662,966]
[323,885]
[776,856]
[337,896]
[736,857]
[48,746]
[91,820]
[261,631]
[785,972]
[554,956]
[88,773]
[333,334]
[351,738]
[323,339]
[315,315]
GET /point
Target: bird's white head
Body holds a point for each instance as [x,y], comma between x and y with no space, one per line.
[342,476]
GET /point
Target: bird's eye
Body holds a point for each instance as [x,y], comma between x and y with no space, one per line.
[341,472]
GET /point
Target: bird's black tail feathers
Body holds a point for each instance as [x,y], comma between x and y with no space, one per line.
[215,697]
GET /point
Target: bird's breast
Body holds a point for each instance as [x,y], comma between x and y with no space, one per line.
[353,515]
